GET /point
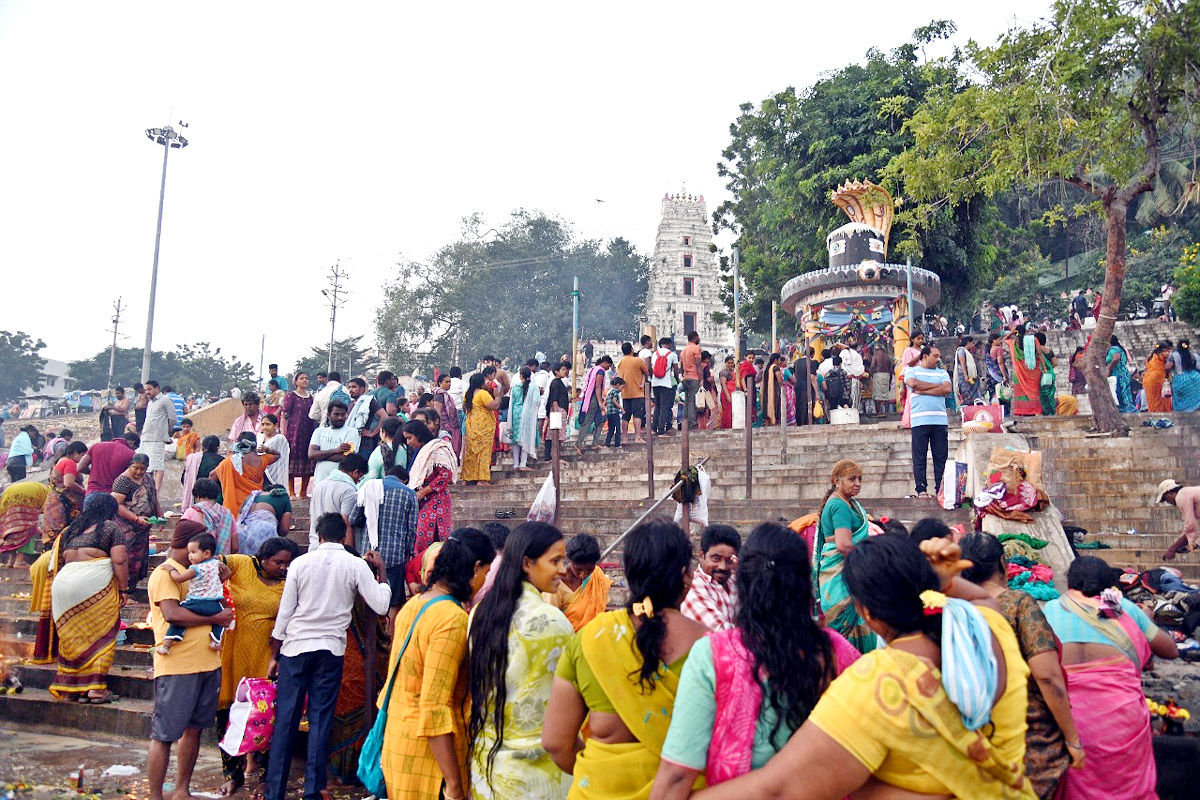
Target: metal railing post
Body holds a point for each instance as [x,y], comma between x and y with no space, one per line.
[749,439]
[648,432]
[555,452]
[645,514]
[685,450]
[783,423]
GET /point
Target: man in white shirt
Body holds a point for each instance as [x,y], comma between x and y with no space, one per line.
[156,430]
[458,387]
[338,494]
[308,647]
[663,387]
[320,406]
[331,443]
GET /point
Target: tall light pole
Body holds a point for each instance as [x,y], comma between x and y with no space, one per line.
[333,295]
[737,321]
[168,138]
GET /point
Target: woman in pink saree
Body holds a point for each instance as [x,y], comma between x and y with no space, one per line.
[722,724]
[1106,641]
[911,355]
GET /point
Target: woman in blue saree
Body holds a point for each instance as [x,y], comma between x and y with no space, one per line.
[1118,367]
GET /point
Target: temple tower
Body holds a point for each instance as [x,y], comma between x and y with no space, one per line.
[684,288]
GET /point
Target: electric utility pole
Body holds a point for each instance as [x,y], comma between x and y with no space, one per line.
[334,296]
[112,351]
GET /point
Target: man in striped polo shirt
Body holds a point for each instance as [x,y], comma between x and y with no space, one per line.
[929,384]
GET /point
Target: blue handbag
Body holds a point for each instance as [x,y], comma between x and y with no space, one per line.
[370,766]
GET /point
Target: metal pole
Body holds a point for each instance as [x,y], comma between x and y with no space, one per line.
[554,471]
[783,428]
[685,451]
[575,338]
[112,353]
[737,324]
[908,269]
[749,438]
[649,442]
[162,193]
[262,351]
[774,326]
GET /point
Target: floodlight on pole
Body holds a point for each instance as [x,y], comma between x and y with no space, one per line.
[168,137]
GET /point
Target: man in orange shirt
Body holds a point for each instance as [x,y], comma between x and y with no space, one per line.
[633,371]
[689,362]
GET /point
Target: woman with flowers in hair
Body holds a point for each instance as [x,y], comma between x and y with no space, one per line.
[939,710]
[843,524]
[621,673]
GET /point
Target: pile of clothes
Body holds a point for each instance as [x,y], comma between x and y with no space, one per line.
[1027,572]
[1173,604]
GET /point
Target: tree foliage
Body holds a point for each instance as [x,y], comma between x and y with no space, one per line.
[788,154]
[507,292]
[189,368]
[350,359]
[20,365]
[1084,96]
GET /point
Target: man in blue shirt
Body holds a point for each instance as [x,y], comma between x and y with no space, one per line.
[929,384]
[273,369]
[177,401]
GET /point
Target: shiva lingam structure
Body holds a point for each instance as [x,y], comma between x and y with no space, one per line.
[860,295]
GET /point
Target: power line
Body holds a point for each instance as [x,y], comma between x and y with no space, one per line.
[334,296]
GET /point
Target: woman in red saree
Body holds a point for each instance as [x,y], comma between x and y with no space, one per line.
[727,385]
[1106,641]
[745,377]
[1027,380]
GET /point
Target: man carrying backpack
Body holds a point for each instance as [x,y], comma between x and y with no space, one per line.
[837,382]
[664,374]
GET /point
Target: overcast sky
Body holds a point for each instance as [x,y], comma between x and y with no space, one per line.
[364,132]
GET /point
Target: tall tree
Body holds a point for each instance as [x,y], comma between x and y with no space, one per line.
[203,369]
[20,365]
[350,358]
[1084,96]
[507,293]
[788,153]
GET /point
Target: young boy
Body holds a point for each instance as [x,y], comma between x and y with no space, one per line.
[612,413]
[205,593]
[187,441]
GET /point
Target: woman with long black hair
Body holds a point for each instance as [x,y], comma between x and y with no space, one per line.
[1185,378]
[425,741]
[480,407]
[621,672]
[775,663]
[516,639]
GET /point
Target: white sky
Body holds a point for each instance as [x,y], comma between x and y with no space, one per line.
[363,131]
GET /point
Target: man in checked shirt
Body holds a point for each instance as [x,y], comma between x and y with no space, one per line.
[711,600]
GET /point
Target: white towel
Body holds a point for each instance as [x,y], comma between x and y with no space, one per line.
[370,495]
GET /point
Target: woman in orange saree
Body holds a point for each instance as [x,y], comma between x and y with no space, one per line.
[1155,377]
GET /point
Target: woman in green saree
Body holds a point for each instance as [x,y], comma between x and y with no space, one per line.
[843,524]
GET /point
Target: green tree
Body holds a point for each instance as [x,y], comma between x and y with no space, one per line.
[507,293]
[200,368]
[350,359]
[788,153]
[1084,96]
[20,365]
[1187,279]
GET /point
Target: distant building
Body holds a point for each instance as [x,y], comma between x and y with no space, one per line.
[54,380]
[684,289]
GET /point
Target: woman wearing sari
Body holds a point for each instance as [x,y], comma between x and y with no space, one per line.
[966,373]
[1185,378]
[80,587]
[434,471]
[583,594]
[1155,377]
[843,524]
[1106,642]
[746,376]
[273,402]
[1051,740]
[727,384]
[267,513]
[443,402]
[908,358]
[425,742]
[1048,394]
[516,639]
[480,408]
[256,587]
[707,417]
[20,505]
[298,429]
[775,665]
[1027,373]
[243,470]
[524,433]
[65,500]
[216,519]
[939,711]
[137,501]
[1118,367]
[275,442]
[773,408]
[621,673]
[200,465]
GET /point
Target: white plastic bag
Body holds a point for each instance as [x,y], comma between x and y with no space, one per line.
[699,513]
[542,509]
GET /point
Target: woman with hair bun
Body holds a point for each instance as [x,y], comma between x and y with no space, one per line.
[425,741]
[940,710]
[1185,378]
[776,639]
[621,672]
[843,524]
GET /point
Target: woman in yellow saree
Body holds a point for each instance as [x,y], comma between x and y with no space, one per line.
[478,405]
[940,711]
[621,672]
